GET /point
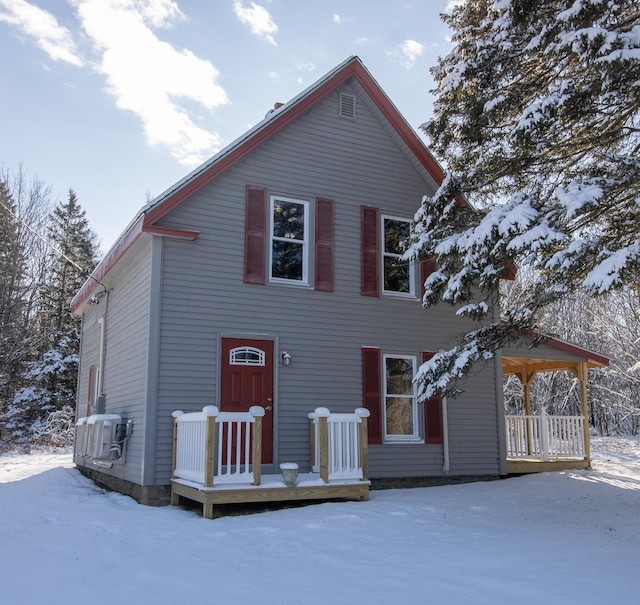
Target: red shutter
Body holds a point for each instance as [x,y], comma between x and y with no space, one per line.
[255,235]
[372,392]
[324,245]
[427,267]
[370,271]
[432,413]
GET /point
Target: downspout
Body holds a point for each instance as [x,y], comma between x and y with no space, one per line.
[101,399]
[445,435]
[102,322]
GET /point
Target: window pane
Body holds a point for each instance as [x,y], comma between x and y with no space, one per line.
[396,276]
[399,416]
[246,356]
[399,376]
[395,234]
[286,260]
[288,220]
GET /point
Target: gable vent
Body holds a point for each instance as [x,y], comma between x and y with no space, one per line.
[347,107]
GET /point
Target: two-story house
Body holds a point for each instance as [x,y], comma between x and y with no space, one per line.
[271,276]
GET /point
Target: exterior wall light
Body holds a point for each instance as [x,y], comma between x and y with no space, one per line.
[285,358]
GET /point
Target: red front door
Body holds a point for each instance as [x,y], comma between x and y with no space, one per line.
[246,379]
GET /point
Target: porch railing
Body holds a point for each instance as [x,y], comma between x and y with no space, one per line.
[221,447]
[545,437]
[339,444]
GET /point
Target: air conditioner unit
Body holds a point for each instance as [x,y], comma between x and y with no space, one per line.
[82,434]
[101,435]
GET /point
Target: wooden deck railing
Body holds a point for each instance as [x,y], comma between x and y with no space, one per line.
[221,447]
[545,437]
[213,447]
[339,444]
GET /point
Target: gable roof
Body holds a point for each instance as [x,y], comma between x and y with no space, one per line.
[146,221]
[568,356]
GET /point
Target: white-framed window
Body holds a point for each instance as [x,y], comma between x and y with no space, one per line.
[289,240]
[400,403]
[246,356]
[398,276]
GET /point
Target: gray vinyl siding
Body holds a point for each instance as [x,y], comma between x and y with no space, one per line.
[204,297]
[89,355]
[127,342]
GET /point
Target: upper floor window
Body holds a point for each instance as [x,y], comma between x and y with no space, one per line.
[289,250]
[400,410]
[397,275]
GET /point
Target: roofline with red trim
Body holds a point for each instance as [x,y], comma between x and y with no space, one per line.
[576,350]
[149,216]
[286,115]
[107,263]
[561,345]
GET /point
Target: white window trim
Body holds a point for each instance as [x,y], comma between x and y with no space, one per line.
[305,244]
[415,437]
[383,255]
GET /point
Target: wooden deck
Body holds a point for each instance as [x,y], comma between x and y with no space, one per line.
[272,489]
[214,465]
[520,466]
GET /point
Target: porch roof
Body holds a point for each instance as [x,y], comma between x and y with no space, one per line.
[550,355]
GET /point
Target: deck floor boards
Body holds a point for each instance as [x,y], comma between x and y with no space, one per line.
[272,489]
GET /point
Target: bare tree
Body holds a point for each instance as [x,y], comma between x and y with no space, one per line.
[24,209]
[609,325]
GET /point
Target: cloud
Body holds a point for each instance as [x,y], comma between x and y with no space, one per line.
[408,54]
[337,19]
[451,4]
[160,13]
[149,76]
[306,66]
[258,19]
[411,50]
[50,36]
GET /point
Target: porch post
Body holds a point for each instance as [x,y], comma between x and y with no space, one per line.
[544,434]
[175,415]
[323,439]
[364,442]
[582,374]
[312,443]
[525,379]
[256,447]
[210,444]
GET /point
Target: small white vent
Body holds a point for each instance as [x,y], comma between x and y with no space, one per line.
[347,108]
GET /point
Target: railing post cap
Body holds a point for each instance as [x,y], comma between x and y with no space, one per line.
[322,412]
[363,412]
[256,410]
[177,413]
[210,410]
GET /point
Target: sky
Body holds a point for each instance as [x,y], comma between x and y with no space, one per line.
[119,99]
[561,538]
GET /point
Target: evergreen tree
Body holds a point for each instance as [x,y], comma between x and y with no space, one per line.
[12,273]
[537,117]
[52,377]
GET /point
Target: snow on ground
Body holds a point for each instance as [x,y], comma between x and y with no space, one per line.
[566,537]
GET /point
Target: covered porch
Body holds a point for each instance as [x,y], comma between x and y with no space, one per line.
[543,442]
[217,459]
